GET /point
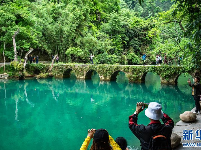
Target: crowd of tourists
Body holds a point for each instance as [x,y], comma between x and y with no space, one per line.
[164,60]
[33,59]
[167,61]
[153,136]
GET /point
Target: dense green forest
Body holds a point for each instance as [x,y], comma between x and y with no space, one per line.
[115,31]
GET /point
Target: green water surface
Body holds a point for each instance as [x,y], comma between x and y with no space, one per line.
[55,114]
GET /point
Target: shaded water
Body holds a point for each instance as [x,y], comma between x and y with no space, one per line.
[53,114]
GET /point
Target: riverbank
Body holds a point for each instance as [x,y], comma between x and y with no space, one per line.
[181,126]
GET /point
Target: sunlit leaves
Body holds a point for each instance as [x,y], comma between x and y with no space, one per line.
[133,58]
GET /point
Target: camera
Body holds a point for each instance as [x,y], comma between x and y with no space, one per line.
[145,105]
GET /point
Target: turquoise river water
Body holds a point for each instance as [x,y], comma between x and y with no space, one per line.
[55,114]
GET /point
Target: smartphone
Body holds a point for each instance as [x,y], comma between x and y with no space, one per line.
[146,105]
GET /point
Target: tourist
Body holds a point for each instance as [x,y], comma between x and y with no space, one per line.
[160,59]
[121,141]
[144,58]
[30,59]
[196,91]
[57,59]
[34,59]
[101,140]
[144,133]
[91,58]
[179,60]
[37,59]
[157,59]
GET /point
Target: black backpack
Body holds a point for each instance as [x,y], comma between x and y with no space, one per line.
[159,142]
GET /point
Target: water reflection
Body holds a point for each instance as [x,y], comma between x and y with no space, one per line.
[119,80]
[58,110]
[183,85]
[26,96]
[16,109]
[153,82]
[94,80]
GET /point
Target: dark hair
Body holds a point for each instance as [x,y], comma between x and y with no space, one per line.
[121,142]
[198,78]
[101,140]
[101,146]
[101,135]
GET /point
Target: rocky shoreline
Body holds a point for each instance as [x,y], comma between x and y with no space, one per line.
[181,126]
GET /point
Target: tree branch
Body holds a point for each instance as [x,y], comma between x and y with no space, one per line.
[25,58]
[14,45]
[52,63]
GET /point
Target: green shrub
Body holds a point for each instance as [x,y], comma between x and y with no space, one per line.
[133,59]
[36,68]
[17,66]
[107,59]
[22,60]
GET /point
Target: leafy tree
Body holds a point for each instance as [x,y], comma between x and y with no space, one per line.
[73,29]
[17,16]
[168,39]
[190,11]
[149,8]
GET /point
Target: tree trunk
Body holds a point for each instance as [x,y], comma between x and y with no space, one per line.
[14,45]
[25,59]
[4,56]
[52,63]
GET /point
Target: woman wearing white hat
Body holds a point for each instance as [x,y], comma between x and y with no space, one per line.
[145,133]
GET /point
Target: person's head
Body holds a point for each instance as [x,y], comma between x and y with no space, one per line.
[197,79]
[101,140]
[121,142]
[154,111]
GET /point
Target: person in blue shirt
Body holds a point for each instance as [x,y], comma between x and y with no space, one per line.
[144,58]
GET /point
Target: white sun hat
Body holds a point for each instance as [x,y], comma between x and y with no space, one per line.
[154,111]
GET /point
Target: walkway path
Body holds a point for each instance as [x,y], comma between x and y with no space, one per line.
[48,62]
[7,63]
[180,126]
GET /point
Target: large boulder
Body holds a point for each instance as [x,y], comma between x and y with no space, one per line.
[188,116]
[175,140]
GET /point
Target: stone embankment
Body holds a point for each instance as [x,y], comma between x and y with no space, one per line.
[181,126]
